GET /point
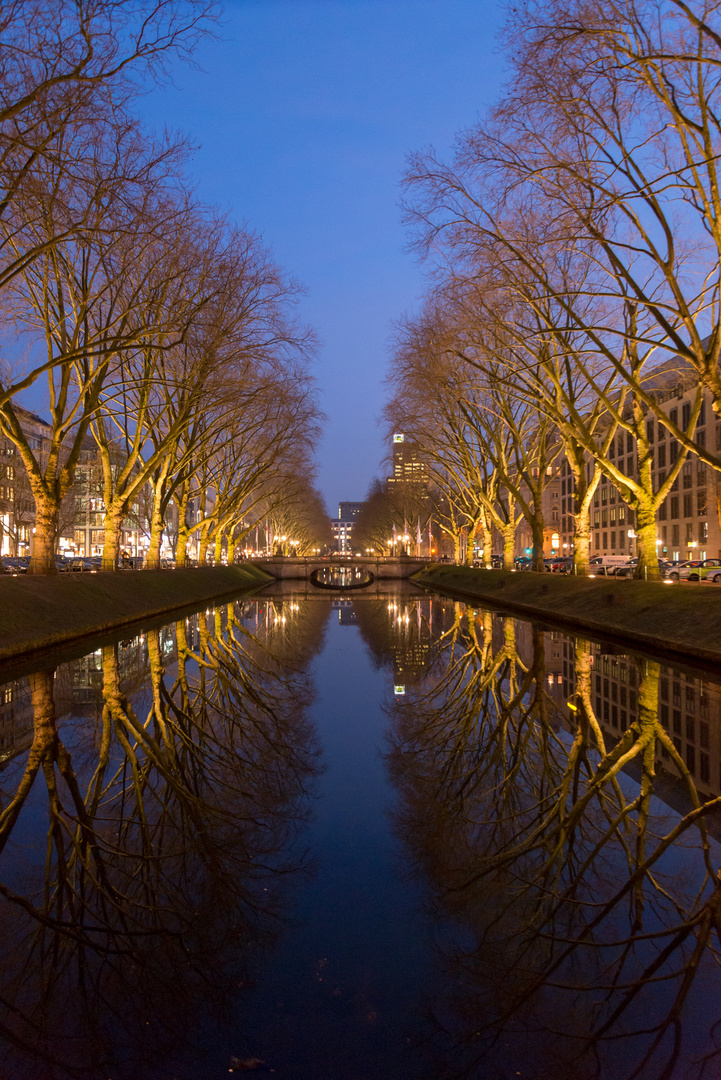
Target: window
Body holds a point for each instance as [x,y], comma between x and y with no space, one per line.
[605,540]
[703,532]
[701,503]
[629,442]
[674,506]
[662,512]
[661,456]
[685,414]
[673,416]
[649,430]
[687,474]
[604,518]
[661,432]
[673,452]
[702,414]
[613,539]
[674,536]
[620,444]
[688,505]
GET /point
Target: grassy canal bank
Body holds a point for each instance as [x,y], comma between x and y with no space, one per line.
[682,620]
[38,613]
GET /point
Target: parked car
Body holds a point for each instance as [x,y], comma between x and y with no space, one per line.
[562,565]
[12,564]
[522,562]
[681,571]
[606,564]
[629,569]
[702,570]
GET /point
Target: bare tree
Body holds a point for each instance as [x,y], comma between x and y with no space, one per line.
[70,65]
[78,304]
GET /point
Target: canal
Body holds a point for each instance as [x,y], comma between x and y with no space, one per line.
[329,836]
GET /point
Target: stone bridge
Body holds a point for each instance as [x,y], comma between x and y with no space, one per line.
[293,568]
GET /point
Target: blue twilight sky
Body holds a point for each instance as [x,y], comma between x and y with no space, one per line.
[304,112]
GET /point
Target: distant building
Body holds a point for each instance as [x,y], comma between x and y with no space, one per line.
[349,511]
[343,527]
[342,532]
[407,465]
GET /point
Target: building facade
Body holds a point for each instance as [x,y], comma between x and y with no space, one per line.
[688,520]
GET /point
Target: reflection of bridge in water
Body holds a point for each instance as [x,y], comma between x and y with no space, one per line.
[390,589]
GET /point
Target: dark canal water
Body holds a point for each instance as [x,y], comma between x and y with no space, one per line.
[373,838]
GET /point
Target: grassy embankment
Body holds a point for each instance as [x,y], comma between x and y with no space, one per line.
[675,619]
[37,613]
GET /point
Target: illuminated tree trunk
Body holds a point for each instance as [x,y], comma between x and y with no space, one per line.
[536,524]
[181,547]
[218,548]
[152,559]
[509,545]
[111,538]
[47,512]
[484,531]
[203,545]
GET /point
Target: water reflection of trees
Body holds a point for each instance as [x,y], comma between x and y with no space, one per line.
[131,924]
[581,916]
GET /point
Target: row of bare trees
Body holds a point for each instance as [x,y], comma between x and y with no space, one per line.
[166,335]
[574,243]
